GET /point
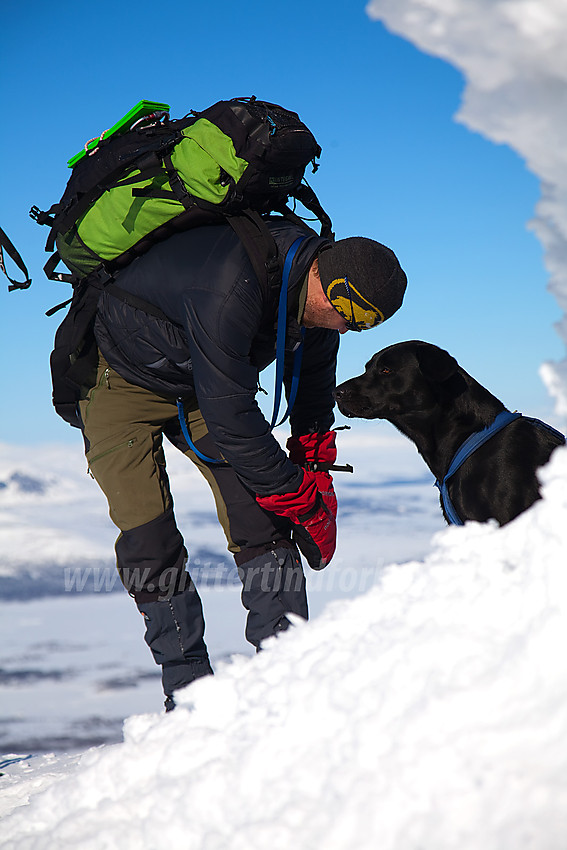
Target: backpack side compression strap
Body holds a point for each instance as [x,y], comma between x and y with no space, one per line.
[6,245]
[260,246]
[305,194]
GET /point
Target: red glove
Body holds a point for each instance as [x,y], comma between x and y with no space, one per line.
[315,530]
[312,450]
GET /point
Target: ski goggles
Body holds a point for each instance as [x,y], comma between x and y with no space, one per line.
[358,313]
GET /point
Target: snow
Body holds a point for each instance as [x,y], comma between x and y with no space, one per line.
[427,712]
[428,709]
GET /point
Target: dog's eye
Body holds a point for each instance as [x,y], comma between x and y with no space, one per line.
[384,370]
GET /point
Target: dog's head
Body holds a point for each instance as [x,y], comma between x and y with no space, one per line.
[405,377]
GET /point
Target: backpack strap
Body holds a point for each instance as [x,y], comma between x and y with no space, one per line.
[51,274]
[139,303]
[14,254]
[260,246]
[146,168]
[305,194]
[177,185]
[63,215]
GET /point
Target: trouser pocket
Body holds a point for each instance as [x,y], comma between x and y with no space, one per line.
[127,444]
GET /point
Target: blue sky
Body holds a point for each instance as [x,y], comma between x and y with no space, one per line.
[395,167]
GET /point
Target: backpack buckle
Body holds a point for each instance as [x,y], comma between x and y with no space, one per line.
[40,217]
[272,264]
[99,278]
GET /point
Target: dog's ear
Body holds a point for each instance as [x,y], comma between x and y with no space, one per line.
[436,363]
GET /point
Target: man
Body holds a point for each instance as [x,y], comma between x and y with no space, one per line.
[198,374]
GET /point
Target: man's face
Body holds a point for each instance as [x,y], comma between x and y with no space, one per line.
[319,312]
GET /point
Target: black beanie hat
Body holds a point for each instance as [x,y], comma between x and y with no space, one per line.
[363,280]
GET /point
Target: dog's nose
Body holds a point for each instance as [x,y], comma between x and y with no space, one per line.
[339,393]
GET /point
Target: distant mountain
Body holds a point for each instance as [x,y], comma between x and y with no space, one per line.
[24,483]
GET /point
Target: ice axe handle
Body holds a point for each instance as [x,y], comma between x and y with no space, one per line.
[329,467]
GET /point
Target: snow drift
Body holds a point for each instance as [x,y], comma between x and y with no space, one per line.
[429,712]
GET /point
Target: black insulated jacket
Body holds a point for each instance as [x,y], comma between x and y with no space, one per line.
[221,335]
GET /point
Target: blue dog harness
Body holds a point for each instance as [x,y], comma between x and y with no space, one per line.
[471,444]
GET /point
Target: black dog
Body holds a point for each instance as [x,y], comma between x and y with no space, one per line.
[424,392]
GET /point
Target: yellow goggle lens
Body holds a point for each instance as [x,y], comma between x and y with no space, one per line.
[356,310]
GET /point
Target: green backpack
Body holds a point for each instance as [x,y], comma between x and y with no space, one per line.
[149,176]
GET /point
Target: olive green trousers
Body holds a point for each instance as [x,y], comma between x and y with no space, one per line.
[124,426]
